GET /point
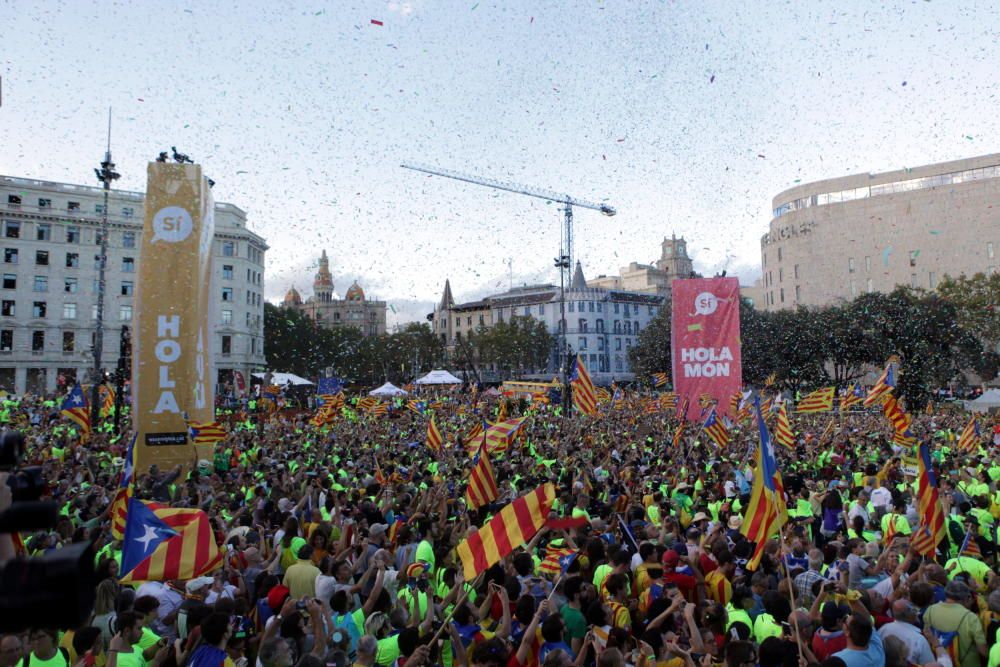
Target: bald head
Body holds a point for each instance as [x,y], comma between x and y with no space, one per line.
[903,610]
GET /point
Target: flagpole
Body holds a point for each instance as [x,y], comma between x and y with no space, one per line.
[458,603]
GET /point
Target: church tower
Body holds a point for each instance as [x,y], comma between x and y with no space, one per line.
[674,258]
[323,284]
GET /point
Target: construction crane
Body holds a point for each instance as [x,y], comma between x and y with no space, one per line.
[549,195]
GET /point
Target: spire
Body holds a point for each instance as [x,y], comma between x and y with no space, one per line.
[578,282]
[447,301]
[323,284]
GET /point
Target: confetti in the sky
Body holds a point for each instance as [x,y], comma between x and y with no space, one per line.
[377,22]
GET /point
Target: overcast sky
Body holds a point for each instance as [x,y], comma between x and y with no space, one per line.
[688,117]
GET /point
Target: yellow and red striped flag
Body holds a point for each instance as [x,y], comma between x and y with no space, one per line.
[74,407]
[502,411]
[499,436]
[473,438]
[119,506]
[705,400]
[107,399]
[379,476]
[716,430]
[770,380]
[925,539]
[668,400]
[204,433]
[820,400]
[851,397]
[783,429]
[434,439]
[167,543]
[584,396]
[482,488]
[766,512]
[678,434]
[603,395]
[885,383]
[366,403]
[895,414]
[513,527]
[969,440]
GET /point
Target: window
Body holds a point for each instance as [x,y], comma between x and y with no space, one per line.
[481,322]
[989,250]
[468,320]
[43,232]
[41,258]
[98,208]
[798,294]
[8,308]
[571,304]
[591,306]
[600,326]
[69,342]
[582,343]
[541,310]
[37,341]
[98,237]
[6,340]
[227,345]
[70,285]
[781,274]
[624,309]
[128,265]
[869,286]
[12,228]
[124,313]
[227,293]
[128,239]
[635,327]
[618,343]
[600,344]
[913,280]
[228,249]
[69,311]
[44,202]
[39,309]
[616,309]
[128,288]
[73,206]
[850,265]
[781,292]
[72,260]
[913,257]
[10,255]
[9,281]
[527,311]
[932,279]
[128,212]
[628,328]
[458,320]
[582,325]
[227,271]
[600,307]
[795,271]
[41,284]
[93,312]
[73,233]
[868,264]
[13,201]
[227,317]
[779,254]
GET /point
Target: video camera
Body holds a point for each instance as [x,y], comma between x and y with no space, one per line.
[55,590]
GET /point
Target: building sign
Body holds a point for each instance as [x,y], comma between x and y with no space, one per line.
[172,373]
[705,341]
[788,231]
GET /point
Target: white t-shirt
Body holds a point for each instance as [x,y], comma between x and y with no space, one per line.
[881,497]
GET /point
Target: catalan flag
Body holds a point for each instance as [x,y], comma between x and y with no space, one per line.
[668,400]
[204,433]
[716,430]
[380,478]
[886,381]
[734,403]
[584,397]
[705,400]
[107,399]
[366,403]
[74,408]
[661,379]
[678,435]
[513,527]
[502,411]
[166,543]
[820,400]
[603,395]
[499,436]
[119,506]
[473,438]
[931,529]
[482,488]
[552,561]
[379,410]
[766,512]
[896,415]
[970,547]
[783,429]
[854,395]
[434,439]
[770,380]
[969,440]
[682,409]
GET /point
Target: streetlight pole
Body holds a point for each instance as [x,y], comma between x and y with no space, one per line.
[106,175]
[562,263]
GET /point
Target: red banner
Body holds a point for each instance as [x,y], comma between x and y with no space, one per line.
[705,341]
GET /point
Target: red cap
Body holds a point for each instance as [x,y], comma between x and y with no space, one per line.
[276,597]
[671,558]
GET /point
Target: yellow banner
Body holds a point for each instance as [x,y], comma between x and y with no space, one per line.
[172,372]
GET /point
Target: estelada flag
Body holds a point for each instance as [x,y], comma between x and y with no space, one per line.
[500,435]
[820,400]
[513,527]
[166,543]
[74,407]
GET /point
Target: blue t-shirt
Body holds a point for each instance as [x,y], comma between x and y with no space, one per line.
[548,647]
[873,656]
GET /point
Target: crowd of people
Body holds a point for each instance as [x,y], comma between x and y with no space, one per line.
[339,545]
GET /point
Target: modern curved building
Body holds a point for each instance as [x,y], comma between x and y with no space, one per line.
[832,240]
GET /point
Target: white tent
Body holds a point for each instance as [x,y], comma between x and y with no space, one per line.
[281,379]
[439,377]
[388,389]
[988,401]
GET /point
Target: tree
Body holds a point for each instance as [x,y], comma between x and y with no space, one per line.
[652,351]
[977,307]
[521,344]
